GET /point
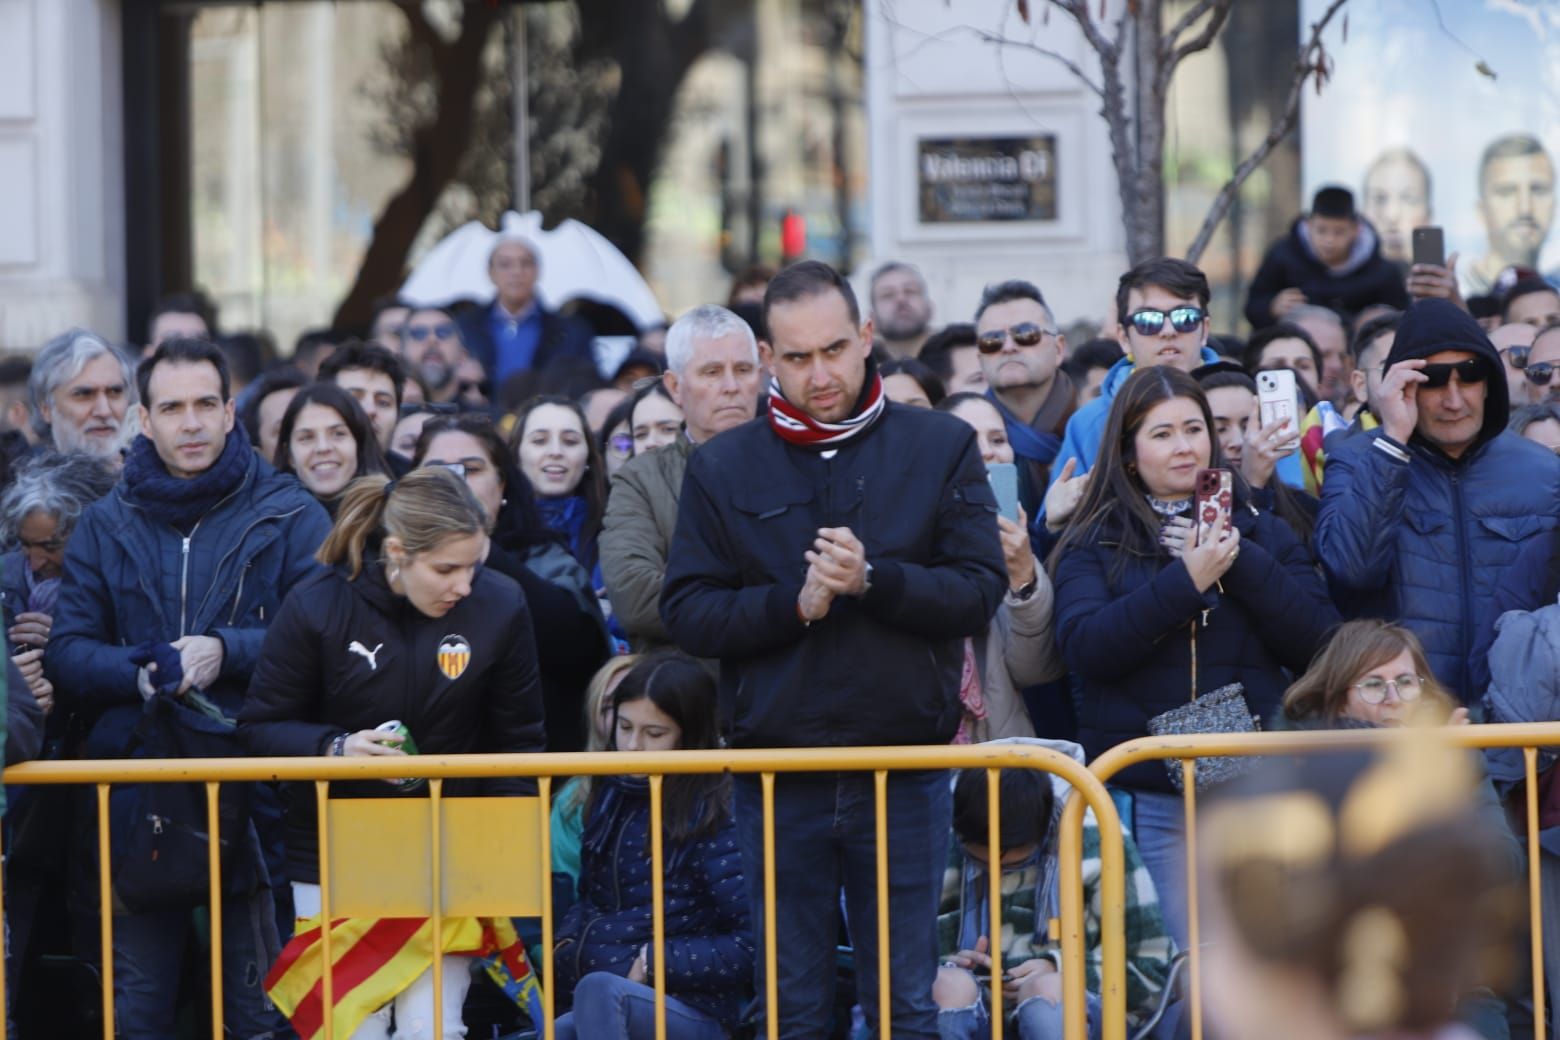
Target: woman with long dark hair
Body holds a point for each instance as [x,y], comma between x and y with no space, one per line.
[571,636]
[558,455]
[605,952]
[1150,616]
[326,441]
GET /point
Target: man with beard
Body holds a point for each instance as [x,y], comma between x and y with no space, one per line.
[431,346]
[901,309]
[1517,204]
[81,390]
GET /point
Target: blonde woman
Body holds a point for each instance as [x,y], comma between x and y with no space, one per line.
[405,626]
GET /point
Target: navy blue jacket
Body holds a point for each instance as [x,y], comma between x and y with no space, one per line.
[881,669]
[1130,640]
[709,940]
[1366,277]
[561,337]
[1425,542]
[131,579]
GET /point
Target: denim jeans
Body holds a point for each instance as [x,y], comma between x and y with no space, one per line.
[149,953]
[825,831]
[1159,828]
[609,1007]
[1036,1018]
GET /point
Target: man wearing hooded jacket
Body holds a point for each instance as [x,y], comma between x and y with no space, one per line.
[836,556]
[1421,516]
[184,563]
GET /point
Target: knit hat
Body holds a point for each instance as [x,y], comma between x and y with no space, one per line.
[1431,326]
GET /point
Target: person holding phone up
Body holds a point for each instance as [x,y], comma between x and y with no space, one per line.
[1019,649]
[1150,613]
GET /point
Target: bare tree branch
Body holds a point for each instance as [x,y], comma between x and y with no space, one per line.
[1308,63]
[987,36]
[1186,21]
[1079,9]
[1200,42]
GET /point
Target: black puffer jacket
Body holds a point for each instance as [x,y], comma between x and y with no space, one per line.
[1366,277]
[346,655]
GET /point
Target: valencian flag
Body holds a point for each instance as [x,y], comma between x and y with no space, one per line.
[377,959]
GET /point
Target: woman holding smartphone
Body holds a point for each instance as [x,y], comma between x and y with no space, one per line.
[1152,612]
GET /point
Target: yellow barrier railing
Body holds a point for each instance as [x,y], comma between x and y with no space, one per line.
[1528,737]
[465,834]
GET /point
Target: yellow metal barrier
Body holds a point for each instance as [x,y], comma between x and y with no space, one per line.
[441,857]
[1528,737]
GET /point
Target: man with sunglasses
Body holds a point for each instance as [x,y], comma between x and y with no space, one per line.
[1162,315]
[1420,518]
[1514,343]
[1021,352]
[1542,371]
[431,346]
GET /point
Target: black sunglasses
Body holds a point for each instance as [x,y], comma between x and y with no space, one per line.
[1470,371]
[1517,357]
[1025,334]
[1540,374]
[1150,320]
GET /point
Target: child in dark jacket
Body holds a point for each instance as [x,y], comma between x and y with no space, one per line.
[605,953]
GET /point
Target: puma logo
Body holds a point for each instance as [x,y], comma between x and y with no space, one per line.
[368,655]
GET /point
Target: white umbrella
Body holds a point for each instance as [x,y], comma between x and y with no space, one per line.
[576,262]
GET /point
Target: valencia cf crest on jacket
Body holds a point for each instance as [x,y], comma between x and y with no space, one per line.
[454,656]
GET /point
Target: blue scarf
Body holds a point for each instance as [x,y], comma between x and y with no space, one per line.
[1028,442]
[566,516]
[178,502]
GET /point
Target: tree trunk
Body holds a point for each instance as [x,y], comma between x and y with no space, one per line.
[1146,235]
[436,157]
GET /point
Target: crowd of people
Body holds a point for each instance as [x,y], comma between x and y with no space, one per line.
[775,524]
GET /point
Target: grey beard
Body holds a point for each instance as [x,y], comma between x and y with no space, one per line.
[70,440]
[436,374]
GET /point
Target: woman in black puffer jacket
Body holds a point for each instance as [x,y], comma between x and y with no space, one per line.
[1148,617]
[605,951]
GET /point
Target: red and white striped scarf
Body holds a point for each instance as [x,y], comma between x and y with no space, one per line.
[795,426]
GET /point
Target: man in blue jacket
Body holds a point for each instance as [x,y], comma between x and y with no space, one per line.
[836,555]
[1162,319]
[1421,516]
[184,562]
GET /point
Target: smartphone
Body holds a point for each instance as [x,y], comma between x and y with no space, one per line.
[1279,398]
[1004,484]
[1215,498]
[1429,246]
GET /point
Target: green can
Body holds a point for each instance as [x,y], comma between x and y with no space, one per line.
[404,740]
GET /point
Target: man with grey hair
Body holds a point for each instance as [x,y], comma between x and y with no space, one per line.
[81,390]
[713,374]
[901,308]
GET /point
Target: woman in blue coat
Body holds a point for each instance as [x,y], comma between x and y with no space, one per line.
[1149,616]
[605,951]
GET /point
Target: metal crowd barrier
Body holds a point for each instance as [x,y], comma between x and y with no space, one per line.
[1529,737]
[492,856]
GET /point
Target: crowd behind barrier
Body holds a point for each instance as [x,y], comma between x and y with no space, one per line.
[854,561]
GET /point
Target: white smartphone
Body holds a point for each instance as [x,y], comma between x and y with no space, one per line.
[1279,398]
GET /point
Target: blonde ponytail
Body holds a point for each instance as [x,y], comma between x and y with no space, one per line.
[421,510]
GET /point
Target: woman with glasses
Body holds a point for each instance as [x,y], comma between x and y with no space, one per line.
[1153,612]
[571,636]
[1371,673]
[617,436]
[325,440]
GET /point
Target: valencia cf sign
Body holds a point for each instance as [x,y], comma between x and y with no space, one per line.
[454,656]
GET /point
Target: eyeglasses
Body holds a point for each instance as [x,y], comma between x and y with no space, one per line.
[621,443]
[1539,374]
[1470,371]
[1025,334]
[457,468]
[48,545]
[1517,357]
[1150,320]
[430,408]
[1374,690]
[418,333]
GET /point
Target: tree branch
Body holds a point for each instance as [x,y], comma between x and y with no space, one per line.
[421,29]
[1079,9]
[987,36]
[1200,42]
[1307,64]
[1186,21]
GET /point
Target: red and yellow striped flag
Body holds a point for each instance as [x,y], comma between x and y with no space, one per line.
[373,960]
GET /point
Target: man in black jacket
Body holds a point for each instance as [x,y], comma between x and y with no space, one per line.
[1330,258]
[835,556]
